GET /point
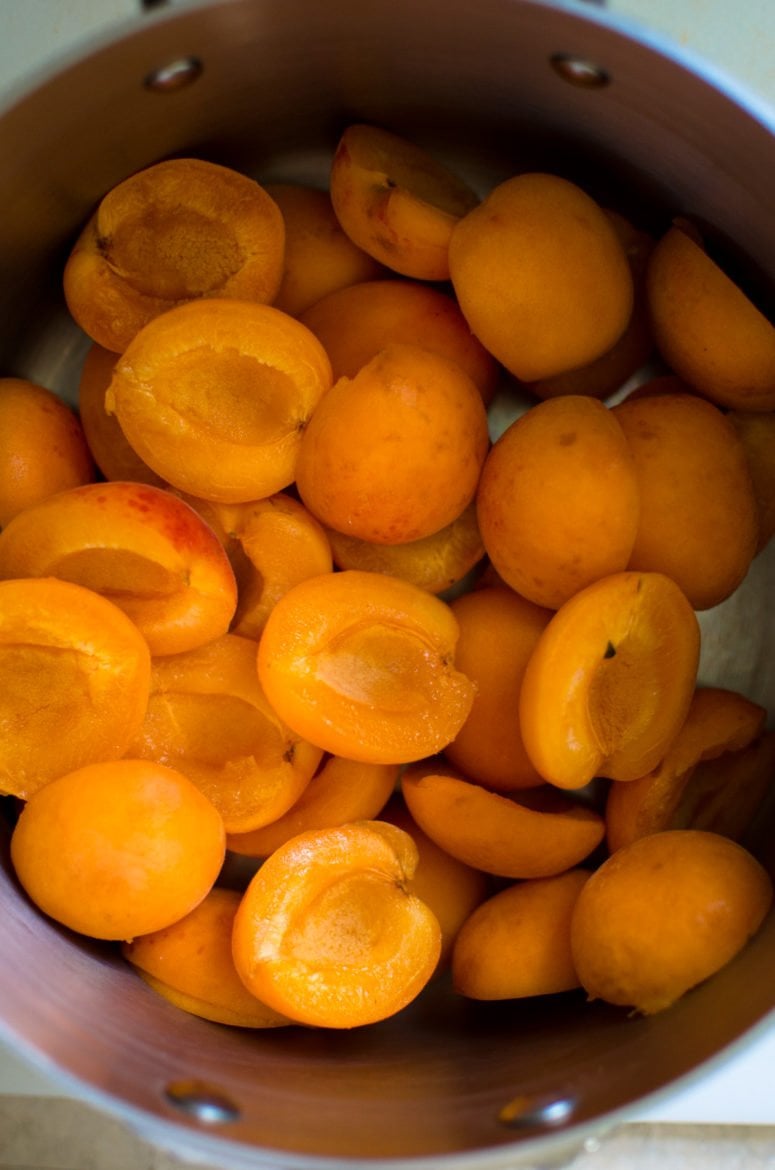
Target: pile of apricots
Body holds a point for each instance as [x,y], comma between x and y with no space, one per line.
[368,570]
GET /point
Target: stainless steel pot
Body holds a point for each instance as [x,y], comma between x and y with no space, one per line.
[492,86]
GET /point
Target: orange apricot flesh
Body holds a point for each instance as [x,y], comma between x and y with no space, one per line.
[362,664]
[108,444]
[327,932]
[141,547]
[118,849]
[665,913]
[609,684]
[725,794]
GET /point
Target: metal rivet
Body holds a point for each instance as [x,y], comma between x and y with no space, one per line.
[578,71]
[176,75]
[527,1110]
[202,1101]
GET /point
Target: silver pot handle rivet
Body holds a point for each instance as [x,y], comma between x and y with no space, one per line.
[536,1110]
[201,1101]
[578,71]
[175,75]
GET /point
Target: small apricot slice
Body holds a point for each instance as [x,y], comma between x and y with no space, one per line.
[43,449]
[396,201]
[340,792]
[706,328]
[208,717]
[756,430]
[558,499]
[118,849]
[327,932]
[517,943]
[609,684]
[190,964]
[181,229]
[408,418]
[362,665]
[541,276]
[665,913]
[215,395]
[108,444]
[138,545]
[539,833]
[74,675]
[718,722]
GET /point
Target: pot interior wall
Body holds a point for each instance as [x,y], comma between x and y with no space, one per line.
[472,80]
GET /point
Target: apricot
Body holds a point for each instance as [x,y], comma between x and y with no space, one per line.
[113,850]
[190,964]
[208,717]
[435,562]
[355,323]
[558,499]
[706,328]
[725,794]
[408,418]
[756,430]
[719,721]
[517,943]
[75,681]
[362,665]
[664,914]
[320,257]
[541,276]
[181,229]
[340,792]
[215,395]
[538,833]
[698,518]
[609,684]
[43,449]
[396,201]
[108,444]
[138,545]
[327,932]
[498,632]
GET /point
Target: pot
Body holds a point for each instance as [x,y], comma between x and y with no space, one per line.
[493,86]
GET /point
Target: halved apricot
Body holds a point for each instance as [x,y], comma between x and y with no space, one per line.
[726,794]
[74,681]
[397,201]
[718,722]
[117,849]
[665,913]
[756,430]
[208,717]
[215,395]
[190,964]
[362,665]
[181,229]
[108,444]
[609,684]
[138,545]
[327,932]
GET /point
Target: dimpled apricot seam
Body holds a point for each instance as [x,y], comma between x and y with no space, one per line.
[141,547]
[355,323]
[718,722]
[362,665]
[663,914]
[119,849]
[498,633]
[396,201]
[756,430]
[698,519]
[609,684]
[75,675]
[558,499]
[215,395]
[190,964]
[706,328]
[208,717]
[340,792]
[327,932]
[43,448]
[541,276]
[181,229]
[394,454]
[517,943]
[538,833]
[319,256]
